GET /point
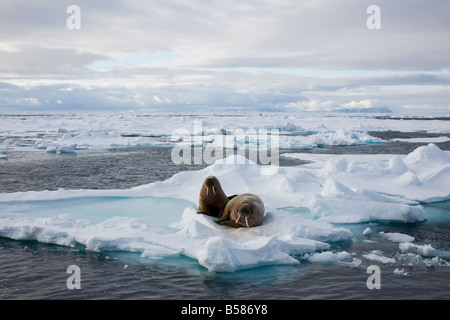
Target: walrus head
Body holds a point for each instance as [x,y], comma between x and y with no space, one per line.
[245,212]
[211,182]
[248,214]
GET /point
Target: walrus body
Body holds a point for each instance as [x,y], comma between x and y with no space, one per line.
[212,199]
[244,210]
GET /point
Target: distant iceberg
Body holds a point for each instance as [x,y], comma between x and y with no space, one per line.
[365,110]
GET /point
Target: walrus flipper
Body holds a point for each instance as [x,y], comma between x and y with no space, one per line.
[229,223]
[211,214]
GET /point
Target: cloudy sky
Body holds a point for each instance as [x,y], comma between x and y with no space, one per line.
[213,55]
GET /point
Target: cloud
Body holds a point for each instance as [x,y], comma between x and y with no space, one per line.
[272,54]
[318,105]
[197,96]
[312,105]
[366,103]
[45,62]
[422,107]
[267,33]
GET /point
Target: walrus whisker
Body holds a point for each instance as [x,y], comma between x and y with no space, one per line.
[246,221]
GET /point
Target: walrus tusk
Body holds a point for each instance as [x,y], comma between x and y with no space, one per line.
[246,222]
[214,190]
[206,190]
[238,217]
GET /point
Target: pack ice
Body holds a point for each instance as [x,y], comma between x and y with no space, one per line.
[339,189]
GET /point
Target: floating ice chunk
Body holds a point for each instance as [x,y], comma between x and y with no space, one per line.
[436,261]
[60,149]
[367,232]
[9,142]
[400,271]
[340,137]
[70,148]
[423,250]
[284,126]
[54,230]
[377,256]
[397,237]
[339,204]
[356,211]
[424,140]
[416,259]
[343,137]
[93,140]
[341,257]
[51,149]
[327,256]
[224,255]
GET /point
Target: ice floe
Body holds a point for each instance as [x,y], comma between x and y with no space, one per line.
[332,189]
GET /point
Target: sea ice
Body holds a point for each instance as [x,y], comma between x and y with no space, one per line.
[378,256]
[329,256]
[340,257]
[97,140]
[336,189]
[339,204]
[423,250]
[104,131]
[216,247]
[421,176]
[397,237]
[424,140]
[367,232]
[400,271]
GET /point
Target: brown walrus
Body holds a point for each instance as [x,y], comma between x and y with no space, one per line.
[212,199]
[244,210]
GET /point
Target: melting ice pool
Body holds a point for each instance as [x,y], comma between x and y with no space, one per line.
[156,211]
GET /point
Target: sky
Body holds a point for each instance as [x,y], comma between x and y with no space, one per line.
[211,55]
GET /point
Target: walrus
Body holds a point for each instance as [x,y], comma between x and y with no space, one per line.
[244,210]
[212,199]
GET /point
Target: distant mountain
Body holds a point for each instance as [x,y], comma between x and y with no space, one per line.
[365,110]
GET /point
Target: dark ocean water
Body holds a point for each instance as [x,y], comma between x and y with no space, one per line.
[32,270]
